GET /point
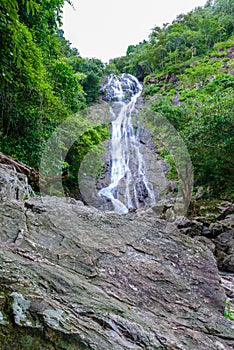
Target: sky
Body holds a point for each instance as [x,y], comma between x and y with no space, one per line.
[105,28]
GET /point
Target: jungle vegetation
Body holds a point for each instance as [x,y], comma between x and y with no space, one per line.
[186,67]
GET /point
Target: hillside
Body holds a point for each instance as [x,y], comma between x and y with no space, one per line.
[188,72]
[187,69]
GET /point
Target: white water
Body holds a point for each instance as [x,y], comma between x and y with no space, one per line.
[126,160]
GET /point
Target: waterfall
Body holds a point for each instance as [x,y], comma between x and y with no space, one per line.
[129,187]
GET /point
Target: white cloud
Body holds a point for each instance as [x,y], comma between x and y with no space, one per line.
[104,28]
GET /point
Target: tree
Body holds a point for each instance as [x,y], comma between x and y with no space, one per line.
[66,85]
[92,71]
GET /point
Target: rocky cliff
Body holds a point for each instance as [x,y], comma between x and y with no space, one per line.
[73,277]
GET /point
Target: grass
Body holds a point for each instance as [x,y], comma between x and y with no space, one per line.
[229,310]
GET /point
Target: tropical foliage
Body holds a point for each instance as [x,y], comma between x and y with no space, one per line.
[188,72]
[187,68]
[40,83]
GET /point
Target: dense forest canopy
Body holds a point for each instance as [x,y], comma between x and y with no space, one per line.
[190,35]
[187,68]
[43,79]
[188,72]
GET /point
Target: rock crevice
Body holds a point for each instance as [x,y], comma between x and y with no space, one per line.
[86,279]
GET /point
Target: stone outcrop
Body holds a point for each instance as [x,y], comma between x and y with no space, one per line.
[216,229]
[13,185]
[224,248]
[167,78]
[73,277]
[31,173]
[156,172]
[144,177]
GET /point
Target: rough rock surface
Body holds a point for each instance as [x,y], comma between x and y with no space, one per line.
[129,86]
[227,281]
[225,250]
[13,185]
[216,230]
[156,174]
[73,277]
[31,173]
[156,169]
[212,223]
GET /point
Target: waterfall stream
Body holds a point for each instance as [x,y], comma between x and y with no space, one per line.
[129,187]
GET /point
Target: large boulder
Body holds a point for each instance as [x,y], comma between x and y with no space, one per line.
[76,278]
[73,277]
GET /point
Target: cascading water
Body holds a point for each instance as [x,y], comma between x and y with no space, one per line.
[127,167]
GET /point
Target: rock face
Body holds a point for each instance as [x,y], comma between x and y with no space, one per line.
[73,277]
[225,250]
[156,173]
[218,226]
[13,185]
[129,86]
[132,176]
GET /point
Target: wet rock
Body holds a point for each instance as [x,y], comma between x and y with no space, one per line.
[145,137]
[116,282]
[145,181]
[129,86]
